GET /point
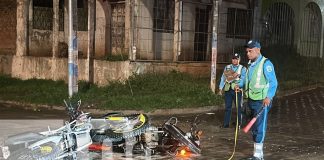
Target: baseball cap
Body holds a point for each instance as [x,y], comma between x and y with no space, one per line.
[236,56]
[252,44]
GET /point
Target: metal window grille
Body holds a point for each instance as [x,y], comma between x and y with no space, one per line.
[311,31]
[279,25]
[82,13]
[196,31]
[43,14]
[118,28]
[163,20]
[61,15]
[239,23]
[201,34]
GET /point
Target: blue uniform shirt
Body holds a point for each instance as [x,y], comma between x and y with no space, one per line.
[234,68]
[269,74]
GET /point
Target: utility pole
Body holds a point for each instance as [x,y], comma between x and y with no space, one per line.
[214,46]
[73,49]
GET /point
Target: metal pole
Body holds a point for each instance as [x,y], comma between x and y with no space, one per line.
[73,54]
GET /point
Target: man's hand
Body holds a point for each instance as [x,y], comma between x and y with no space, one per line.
[220,92]
[266,102]
[237,88]
[235,74]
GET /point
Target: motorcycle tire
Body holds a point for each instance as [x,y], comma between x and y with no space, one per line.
[37,154]
[113,136]
[179,135]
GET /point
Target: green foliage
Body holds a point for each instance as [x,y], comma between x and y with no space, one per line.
[140,92]
[32,91]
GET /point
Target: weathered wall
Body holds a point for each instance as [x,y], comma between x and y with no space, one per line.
[195,69]
[27,67]
[5,64]
[8,23]
[41,43]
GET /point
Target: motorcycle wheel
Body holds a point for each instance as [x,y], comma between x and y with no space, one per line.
[179,135]
[37,154]
[115,136]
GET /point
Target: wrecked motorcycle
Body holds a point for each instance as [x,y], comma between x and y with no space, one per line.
[167,139]
[75,136]
[116,132]
[64,142]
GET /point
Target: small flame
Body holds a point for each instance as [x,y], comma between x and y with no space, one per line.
[183,152]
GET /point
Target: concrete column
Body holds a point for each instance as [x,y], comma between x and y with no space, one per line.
[55,51]
[216,4]
[91,40]
[30,25]
[177,30]
[22,28]
[108,30]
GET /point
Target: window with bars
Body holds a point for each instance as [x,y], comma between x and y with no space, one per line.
[82,12]
[239,23]
[61,15]
[163,19]
[43,14]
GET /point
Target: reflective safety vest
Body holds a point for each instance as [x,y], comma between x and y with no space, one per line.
[257,87]
[233,83]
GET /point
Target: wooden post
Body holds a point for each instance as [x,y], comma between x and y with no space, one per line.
[214,47]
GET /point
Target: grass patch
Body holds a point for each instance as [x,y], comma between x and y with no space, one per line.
[141,92]
[32,91]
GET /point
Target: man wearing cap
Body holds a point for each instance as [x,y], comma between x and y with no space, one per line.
[231,82]
[260,88]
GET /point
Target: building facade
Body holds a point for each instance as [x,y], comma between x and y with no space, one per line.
[148,35]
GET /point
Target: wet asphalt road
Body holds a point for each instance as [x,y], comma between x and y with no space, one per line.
[295,129]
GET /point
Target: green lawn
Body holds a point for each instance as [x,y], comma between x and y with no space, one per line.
[141,92]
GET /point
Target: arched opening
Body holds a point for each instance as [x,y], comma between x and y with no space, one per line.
[278,26]
[310,38]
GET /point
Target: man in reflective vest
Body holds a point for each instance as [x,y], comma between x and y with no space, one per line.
[260,88]
[231,81]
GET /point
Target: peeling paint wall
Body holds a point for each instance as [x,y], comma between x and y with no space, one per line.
[41,43]
[27,67]
[5,64]
[195,69]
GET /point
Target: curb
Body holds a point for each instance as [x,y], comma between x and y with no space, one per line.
[173,111]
